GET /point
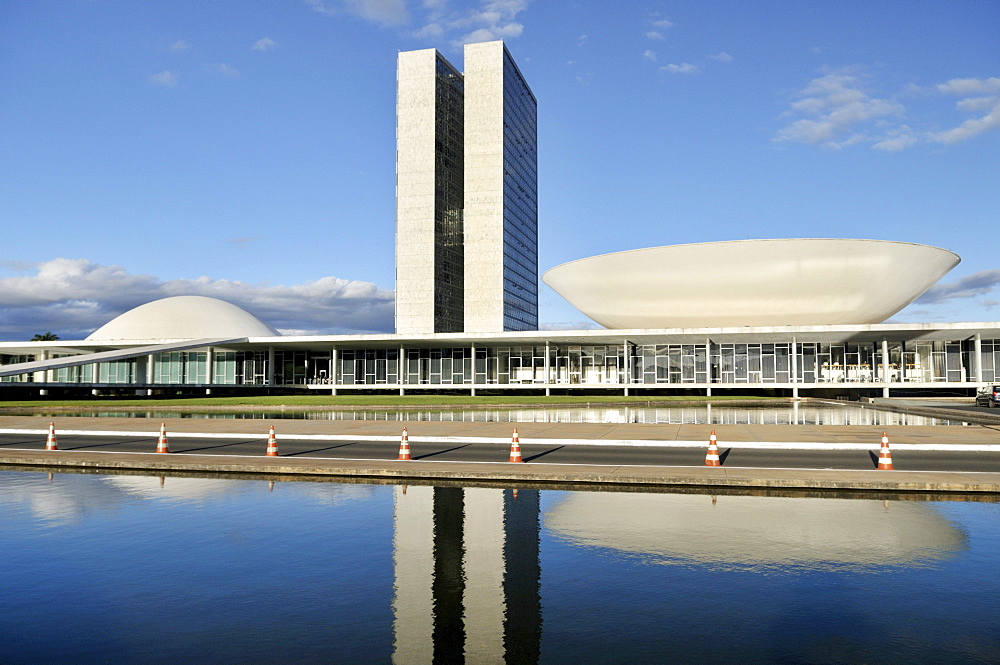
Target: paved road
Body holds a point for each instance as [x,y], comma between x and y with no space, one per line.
[908,460]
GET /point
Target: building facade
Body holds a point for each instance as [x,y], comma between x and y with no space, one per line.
[851,361]
[466,185]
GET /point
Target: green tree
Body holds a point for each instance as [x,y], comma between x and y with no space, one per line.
[45,337]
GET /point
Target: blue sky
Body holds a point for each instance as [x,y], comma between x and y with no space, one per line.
[246,150]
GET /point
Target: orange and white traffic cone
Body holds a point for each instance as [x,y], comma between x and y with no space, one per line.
[50,441]
[404,446]
[272,444]
[161,443]
[884,456]
[515,448]
[712,456]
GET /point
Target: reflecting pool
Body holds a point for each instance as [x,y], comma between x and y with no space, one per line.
[132,568]
[780,413]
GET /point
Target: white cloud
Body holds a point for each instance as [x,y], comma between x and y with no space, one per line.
[662,23]
[73,297]
[180,45]
[970,86]
[834,107]
[655,34]
[165,78]
[977,99]
[383,12]
[722,57]
[896,140]
[649,55]
[569,325]
[971,286]
[495,19]
[321,7]
[264,44]
[490,20]
[430,31]
[683,68]
[224,69]
[835,111]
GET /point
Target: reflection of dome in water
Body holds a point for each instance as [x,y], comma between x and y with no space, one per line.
[183,317]
[755,530]
[178,488]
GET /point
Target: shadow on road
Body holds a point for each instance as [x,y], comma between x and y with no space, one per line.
[441,452]
[152,445]
[319,450]
[542,454]
[874,457]
[223,445]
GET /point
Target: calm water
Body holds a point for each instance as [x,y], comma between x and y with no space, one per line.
[130,569]
[702,414]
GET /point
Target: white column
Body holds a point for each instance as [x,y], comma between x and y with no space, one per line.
[43,375]
[402,367]
[335,370]
[628,366]
[209,361]
[548,377]
[794,351]
[977,361]
[270,366]
[885,368]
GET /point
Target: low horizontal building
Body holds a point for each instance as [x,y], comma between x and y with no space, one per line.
[207,353]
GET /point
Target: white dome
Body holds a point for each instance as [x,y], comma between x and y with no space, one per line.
[793,282]
[183,317]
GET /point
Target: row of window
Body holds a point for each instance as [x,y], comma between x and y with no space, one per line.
[809,363]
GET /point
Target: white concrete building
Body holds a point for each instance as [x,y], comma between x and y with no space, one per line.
[466,187]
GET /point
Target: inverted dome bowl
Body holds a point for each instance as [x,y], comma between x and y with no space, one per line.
[797,282]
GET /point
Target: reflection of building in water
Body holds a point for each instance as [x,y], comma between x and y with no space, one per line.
[466,576]
[757,530]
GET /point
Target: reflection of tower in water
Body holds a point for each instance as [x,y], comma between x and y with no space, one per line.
[466,576]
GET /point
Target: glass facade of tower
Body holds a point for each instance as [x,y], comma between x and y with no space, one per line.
[520,197]
[449,255]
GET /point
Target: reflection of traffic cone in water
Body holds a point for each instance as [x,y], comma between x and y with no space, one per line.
[714,499]
[514,493]
[161,443]
[404,446]
[712,456]
[515,448]
[162,480]
[404,490]
[272,444]
[884,457]
[270,486]
[50,442]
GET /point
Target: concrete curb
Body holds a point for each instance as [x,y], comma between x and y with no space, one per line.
[655,476]
[652,443]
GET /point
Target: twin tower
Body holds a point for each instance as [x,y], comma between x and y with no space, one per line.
[466,194]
